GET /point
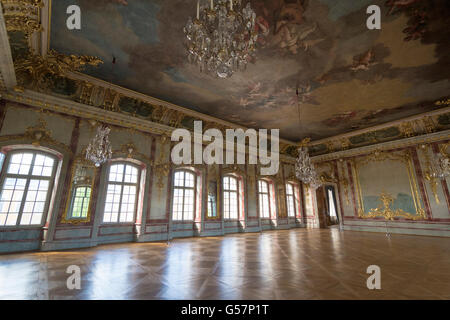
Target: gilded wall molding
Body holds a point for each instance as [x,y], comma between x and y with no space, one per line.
[384,210]
[38,135]
[162,166]
[130,151]
[80,161]
[432,180]
[404,157]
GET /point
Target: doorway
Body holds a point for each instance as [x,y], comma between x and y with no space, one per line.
[332,212]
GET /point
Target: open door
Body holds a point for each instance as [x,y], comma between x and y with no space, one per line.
[332,214]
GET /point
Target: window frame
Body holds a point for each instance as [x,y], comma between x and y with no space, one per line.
[238,206]
[51,179]
[72,202]
[259,193]
[294,199]
[138,190]
[194,189]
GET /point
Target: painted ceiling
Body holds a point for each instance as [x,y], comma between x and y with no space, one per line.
[347,77]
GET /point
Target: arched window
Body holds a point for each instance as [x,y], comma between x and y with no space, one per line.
[121,193]
[290,199]
[230,197]
[264,198]
[183,196]
[80,202]
[26,186]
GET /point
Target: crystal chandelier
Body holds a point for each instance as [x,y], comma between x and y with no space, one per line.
[99,149]
[304,169]
[222,38]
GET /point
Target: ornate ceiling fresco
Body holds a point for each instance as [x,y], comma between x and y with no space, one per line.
[348,77]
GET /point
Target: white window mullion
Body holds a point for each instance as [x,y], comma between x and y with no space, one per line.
[25,191]
[119,216]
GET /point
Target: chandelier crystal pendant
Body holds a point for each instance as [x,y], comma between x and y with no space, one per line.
[99,149]
[305,170]
[222,38]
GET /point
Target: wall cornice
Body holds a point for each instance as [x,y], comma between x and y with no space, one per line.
[383,126]
[396,144]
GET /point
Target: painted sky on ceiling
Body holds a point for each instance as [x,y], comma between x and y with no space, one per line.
[348,77]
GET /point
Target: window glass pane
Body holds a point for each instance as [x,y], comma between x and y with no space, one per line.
[20,163]
[112,203]
[264,205]
[177,210]
[81,201]
[226,183]
[121,195]
[35,202]
[233,184]
[25,199]
[131,174]
[179,178]
[226,204]
[10,200]
[263,186]
[189,180]
[43,166]
[116,173]
[290,206]
[128,204]
[188,213]
[233,205]
[183,196]
[289,189]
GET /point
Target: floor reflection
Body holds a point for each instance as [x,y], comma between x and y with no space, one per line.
[110,275]
[291,264]
[17,277]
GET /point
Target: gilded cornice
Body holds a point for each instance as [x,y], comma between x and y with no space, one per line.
[401,143]
[44,101]
[23,15]
[414,126]
[39,73]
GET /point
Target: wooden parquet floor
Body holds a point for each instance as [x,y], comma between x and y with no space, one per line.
[291,264]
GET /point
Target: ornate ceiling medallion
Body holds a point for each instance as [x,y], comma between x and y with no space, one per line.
[221,39]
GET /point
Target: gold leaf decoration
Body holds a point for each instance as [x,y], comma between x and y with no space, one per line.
[37,71]
[384,210]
